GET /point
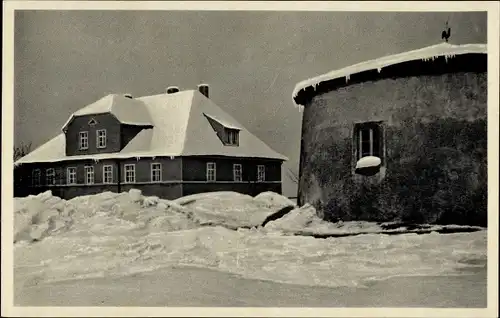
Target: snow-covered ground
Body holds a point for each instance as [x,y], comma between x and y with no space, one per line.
[111,235]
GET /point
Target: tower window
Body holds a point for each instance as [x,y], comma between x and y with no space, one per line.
[368,140]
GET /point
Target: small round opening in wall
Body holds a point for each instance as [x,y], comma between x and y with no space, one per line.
[368,166]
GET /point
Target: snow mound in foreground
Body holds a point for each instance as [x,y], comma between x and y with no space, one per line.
[274,199]
[36,217]
[233,209]
[305,220]
[112,234]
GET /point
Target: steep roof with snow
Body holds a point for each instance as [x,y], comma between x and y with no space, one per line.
[179,128]
[431,53]
[120,106]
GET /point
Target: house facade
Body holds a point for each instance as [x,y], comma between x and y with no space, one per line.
[167,145]
[403,137]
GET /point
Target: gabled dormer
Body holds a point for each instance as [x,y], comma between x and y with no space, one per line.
[105,126]
[228,134]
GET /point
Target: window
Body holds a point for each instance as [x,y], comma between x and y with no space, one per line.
[84,140]
[232,136]
[368,140]
[156,172]
[261,173]
[130,173]
[107,174]
[210,171]
[36,175]
[92,122]
[89,175]
[50,176]
[101,138]
[71,175]
[237,173]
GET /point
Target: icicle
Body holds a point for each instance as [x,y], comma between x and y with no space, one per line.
[347,78]
[379,69]
[172,157]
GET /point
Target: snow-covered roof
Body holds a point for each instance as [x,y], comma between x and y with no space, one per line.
[179,128]
[126,110]
[222,122]
[428,53]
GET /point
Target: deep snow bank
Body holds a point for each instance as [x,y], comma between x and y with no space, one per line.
[36,217]
[346,261]
[233,210]
[113,234]
[305,221]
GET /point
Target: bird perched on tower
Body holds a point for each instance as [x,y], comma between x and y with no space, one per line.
[446,33]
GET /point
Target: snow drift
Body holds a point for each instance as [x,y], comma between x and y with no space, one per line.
[113,234]
[36,217]
[305,221]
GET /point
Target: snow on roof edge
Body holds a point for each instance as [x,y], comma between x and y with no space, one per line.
[111,156]
[88,110]
[72,116]
[53,150]
[426,53]
[223,122]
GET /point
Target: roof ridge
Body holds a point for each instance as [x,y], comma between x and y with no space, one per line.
[188,118]
[112,102]
[179,132]
[162,94]
[225,114]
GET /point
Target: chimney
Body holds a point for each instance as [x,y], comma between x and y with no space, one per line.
[172,89]
[203,88]
[128,96]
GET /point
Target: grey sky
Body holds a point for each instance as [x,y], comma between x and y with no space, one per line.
[65,60]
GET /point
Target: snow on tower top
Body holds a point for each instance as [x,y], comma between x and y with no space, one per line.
[428,53]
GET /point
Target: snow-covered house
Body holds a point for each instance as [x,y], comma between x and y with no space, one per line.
[399,137]
[168,145]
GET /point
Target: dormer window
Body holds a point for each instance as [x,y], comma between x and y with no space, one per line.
[232,137]
[101,138]
[84,140]
[227,132]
